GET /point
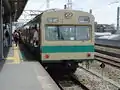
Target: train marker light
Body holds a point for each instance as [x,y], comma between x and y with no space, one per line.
[46,56]
[88,54]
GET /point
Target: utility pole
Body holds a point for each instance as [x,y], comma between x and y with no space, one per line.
[47,5]
[1,30]
[118,12]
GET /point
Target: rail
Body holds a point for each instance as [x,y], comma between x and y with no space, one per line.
[69,81]
[108,54]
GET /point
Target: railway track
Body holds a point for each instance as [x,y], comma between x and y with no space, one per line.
[70,82]
[108,54]
[108,50]
[100,77]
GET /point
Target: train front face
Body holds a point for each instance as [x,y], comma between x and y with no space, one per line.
[67,37]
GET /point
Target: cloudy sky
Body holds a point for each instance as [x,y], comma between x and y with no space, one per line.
[103,12]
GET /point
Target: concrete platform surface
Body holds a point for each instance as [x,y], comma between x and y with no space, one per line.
[26,76]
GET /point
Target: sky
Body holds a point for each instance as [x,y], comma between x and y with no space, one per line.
[102,11]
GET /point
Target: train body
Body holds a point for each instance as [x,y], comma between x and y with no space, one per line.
[66,37]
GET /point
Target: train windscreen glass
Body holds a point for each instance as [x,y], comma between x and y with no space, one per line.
[51,33]
[67,33]
[83,32]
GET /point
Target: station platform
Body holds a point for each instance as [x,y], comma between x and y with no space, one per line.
[18,74]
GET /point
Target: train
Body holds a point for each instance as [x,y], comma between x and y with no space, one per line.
[66,37]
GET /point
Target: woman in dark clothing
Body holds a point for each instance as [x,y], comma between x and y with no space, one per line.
[16,37]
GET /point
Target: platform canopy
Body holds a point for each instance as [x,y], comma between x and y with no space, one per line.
[13,7]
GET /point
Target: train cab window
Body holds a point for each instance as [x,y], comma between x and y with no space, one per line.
[82,32]
[67,32]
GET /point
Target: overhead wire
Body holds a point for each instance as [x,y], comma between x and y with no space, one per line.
[45,3]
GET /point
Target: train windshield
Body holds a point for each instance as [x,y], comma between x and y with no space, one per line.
[67,33]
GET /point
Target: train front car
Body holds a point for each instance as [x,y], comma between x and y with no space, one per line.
[67,37]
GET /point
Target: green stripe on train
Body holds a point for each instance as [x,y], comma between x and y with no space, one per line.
[70,49]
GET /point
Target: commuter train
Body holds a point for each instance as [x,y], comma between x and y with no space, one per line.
[66,37]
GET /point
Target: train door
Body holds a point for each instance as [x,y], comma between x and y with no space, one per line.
[40,38]
[38,42]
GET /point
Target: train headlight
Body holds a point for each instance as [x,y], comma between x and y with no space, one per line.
[52,20]
[55,20]
[84,19]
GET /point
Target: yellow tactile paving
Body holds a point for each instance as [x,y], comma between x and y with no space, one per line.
[9,58]
[16,54]
[15,58]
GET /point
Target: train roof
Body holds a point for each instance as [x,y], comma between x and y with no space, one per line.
[52,10]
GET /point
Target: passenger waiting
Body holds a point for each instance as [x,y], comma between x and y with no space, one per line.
[6,37]
[16,37]
[35,37]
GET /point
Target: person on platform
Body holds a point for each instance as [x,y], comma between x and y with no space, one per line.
[35,37]
[16,37]
[6,37]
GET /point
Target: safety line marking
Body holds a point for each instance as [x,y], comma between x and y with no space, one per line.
[16,54]
[9,58]
[16,57]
